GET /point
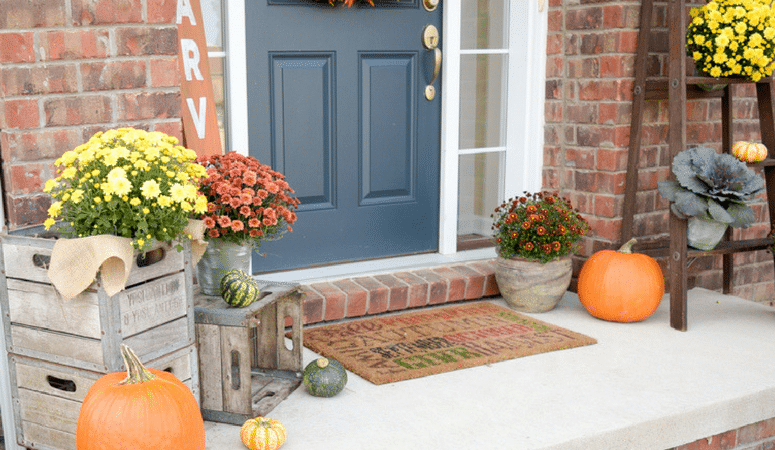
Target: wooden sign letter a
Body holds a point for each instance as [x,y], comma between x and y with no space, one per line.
[200,124]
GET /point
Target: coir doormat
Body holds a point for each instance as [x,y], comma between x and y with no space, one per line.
[416,344]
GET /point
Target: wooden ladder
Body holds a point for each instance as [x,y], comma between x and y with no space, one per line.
[676,88]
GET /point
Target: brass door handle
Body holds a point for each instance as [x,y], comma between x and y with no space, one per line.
[430,91]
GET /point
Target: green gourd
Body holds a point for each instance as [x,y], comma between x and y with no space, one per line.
[324,377]
[239,289]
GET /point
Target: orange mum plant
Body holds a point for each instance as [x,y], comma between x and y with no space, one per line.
[247,202]
[538,226]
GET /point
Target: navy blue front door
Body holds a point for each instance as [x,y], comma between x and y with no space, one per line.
[337,103]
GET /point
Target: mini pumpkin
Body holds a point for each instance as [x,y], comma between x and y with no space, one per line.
[621,286]
[142,409]
[324,377]
[750,152]
[239,289]
[262,433]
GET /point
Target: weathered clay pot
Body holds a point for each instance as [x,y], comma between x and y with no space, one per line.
[530,286]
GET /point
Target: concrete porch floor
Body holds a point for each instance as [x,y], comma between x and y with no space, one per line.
[642,386]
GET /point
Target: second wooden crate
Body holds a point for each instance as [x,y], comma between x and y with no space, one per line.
[47,397]
[246,364]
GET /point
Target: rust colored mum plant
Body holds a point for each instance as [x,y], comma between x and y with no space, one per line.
[539,226]
[247,202]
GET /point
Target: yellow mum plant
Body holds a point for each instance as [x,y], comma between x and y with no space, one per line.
[733,38]
[126,182]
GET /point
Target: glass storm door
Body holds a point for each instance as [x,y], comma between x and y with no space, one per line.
[339,102]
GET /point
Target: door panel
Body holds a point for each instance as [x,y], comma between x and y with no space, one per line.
[302,124]
[388,153]
[336,103]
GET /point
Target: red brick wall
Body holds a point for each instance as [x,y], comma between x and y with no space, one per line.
[71,68]
[756,436]
[590,57]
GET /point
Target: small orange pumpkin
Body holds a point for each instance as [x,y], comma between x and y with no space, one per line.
[262,433]
[750,152]
[143,409]
[621,286]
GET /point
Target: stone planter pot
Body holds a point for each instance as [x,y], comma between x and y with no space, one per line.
[530,286]
[220,257]
[704,233]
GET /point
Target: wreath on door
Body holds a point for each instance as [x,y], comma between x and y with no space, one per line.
[347,3]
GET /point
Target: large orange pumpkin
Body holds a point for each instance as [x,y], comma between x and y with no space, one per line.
[143,409]
[621,286]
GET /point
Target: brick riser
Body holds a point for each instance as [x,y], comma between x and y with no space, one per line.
[756,436]
[366,295]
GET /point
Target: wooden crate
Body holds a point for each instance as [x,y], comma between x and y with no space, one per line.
[153,315]
[47,397]
[247,366]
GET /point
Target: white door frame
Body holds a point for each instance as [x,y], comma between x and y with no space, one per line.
[525,107]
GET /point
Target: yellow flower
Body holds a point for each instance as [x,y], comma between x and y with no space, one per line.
[49,223]
[164,201]
[67,158]
[118,183]
[121,152]
[135,201]
[69,173]
[150,189]
[178,193]
[146,211]
[200,206]
[189,191]
[110,159]
[50,185]
[77,196]
[140,243]
[55,209]
[151,153]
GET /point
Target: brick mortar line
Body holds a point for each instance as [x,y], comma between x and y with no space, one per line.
[89,28]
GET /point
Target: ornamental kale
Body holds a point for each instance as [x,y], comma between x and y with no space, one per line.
[717,184]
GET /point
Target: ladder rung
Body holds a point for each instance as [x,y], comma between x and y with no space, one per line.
[739,246]
[660,247]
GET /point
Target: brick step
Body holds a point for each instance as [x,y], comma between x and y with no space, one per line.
[348,298]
